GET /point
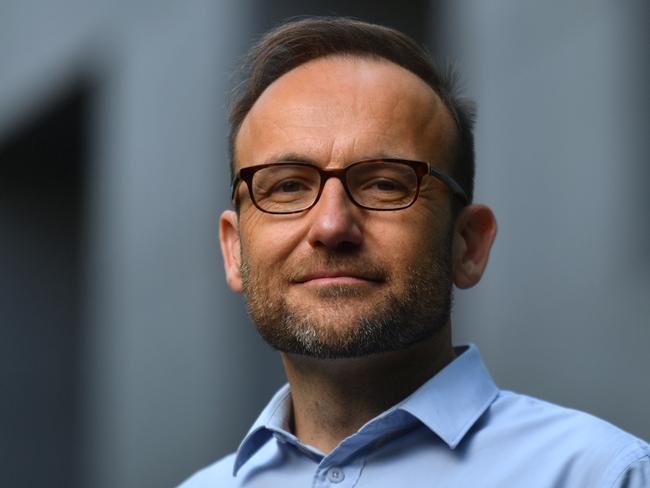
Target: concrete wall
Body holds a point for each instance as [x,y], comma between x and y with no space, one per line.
[562,158]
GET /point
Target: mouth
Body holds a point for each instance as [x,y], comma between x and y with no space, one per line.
[336,278]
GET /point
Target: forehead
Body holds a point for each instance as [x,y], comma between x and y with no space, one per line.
[341,109]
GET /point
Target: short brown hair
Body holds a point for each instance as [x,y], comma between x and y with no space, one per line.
[296,42]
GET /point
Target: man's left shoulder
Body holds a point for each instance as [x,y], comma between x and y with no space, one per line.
[560,434]
[551,420]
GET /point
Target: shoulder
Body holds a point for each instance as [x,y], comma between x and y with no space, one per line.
[547,419]
[216,474]
[580,443]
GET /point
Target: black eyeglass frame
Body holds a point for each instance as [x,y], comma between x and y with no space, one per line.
[421,169]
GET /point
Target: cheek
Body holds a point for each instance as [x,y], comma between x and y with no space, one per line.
[408,243]
[395,243]
[406,228]
[267,244]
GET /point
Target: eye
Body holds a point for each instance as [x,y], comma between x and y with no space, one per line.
[385,185]
[288,189]
[289,186]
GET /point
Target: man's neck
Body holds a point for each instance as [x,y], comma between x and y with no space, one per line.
[333,398]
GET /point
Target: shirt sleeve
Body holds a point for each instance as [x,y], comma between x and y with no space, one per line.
[636,475]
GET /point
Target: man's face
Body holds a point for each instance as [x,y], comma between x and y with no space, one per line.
[338,280]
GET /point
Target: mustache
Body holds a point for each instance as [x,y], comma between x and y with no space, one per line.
[360,267]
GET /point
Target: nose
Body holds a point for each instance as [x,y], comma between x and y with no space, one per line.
[334,219]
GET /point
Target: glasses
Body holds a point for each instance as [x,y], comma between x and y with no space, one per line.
[377,184]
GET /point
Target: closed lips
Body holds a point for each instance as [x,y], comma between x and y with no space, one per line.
[333,275]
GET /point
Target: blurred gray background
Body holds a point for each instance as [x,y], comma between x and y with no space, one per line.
[124,359]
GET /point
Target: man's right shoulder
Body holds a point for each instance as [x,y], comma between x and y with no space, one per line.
[216,474]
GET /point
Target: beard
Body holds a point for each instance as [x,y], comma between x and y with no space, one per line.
[403,314]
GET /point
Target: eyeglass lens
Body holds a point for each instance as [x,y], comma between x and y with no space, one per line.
[378,185]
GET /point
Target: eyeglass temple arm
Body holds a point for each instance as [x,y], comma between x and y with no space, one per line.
[450,182]
[233,185]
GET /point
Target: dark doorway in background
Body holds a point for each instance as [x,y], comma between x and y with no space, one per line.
[42,200]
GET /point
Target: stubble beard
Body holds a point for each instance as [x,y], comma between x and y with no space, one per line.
[399,318]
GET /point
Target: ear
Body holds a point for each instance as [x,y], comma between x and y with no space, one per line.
[474,233]
[231,249]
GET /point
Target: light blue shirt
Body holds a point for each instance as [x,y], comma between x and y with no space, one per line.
[456,430]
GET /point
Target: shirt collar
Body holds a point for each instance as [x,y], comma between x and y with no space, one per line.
[449,404]
[453,400]
[274,418]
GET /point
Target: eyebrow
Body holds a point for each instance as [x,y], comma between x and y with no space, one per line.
[302,158]
[289,156]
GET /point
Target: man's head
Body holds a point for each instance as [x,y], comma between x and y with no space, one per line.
[339,280]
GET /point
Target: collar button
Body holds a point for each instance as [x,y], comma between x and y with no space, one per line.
[335,475]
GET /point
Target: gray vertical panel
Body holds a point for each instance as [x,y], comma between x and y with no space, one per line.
[562,312]
[170,345]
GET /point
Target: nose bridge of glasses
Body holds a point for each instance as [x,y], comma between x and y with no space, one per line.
[336,173]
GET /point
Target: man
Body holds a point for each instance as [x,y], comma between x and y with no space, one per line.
[353,217]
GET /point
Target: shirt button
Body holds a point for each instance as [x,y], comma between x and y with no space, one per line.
[335,475]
